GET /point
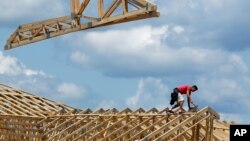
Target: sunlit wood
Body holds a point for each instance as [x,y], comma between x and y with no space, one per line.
[41,30]
[25,117]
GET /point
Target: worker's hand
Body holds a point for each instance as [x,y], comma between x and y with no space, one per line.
[194,104]
[190,109]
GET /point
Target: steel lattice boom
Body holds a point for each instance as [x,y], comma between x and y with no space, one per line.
[109,13]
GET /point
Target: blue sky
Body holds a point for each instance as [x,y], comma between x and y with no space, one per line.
[136,64]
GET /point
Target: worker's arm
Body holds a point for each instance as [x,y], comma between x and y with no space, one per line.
[189,98]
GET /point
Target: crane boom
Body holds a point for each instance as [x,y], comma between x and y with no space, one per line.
[77,21]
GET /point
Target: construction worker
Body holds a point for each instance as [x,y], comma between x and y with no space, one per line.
[177,97]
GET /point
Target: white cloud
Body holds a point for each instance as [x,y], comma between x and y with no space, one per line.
[208,24]
[151,92]
[218,90]
[29,72]
[127,41]
[79,57]
[12,67]
[238,62]
[71,91]
[178,29]
[187,7]
[143,51]
[221,76]
[213,5]
[12,10]
[14,73]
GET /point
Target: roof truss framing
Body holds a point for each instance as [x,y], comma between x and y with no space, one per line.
[26,117]
[37,31]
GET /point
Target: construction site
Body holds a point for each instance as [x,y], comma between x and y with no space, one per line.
[28,117]
[25,116]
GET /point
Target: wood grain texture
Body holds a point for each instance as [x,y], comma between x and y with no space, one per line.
[25,116]
[78,20]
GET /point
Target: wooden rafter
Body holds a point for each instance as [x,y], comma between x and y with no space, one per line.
[24,116]
[83,7]
[18,102]
[41,30]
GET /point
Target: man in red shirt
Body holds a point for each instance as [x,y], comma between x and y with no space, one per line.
[177,96]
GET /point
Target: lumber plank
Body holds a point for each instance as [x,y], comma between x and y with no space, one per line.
[46,29]
[83,7]
[112,8]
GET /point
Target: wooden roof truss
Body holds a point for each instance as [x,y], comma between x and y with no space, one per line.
[24,116]
[108,13]
[18,102]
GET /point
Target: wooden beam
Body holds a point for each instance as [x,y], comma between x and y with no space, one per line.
[151,135]
[145,130]
[100,8]
[125,6]
[207,128]
[112,8]
[71,126]
[197,132]
[22,118]
[98,125]
[82,128]
[72,6]
[116,131]
[83,7]
[77,6]
[109,127]
[46,29]
[182,124]
[211,128]
[193,132]
[66,30]
[133,129]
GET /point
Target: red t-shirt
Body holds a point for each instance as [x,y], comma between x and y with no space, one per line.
[183,88]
